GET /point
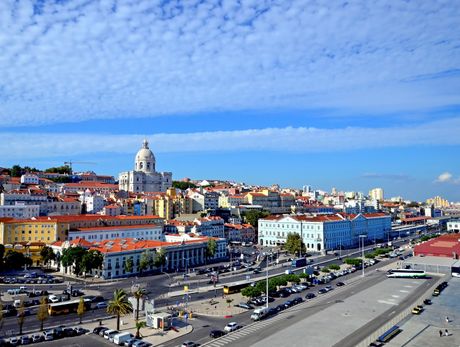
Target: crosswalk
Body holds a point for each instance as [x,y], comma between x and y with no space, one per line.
[248,330]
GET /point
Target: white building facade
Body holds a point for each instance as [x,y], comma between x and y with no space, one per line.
[325,232]
[144,178]
[20,211]
[140,232]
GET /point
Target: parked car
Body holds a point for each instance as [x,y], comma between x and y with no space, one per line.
[189,344]
[14,341]
[244,305]
[310,296]
[129,342]
[48,335]
[232,326]
[216,333]
[111,335]
[102,331]
[69,332]
[97,330]
[322,291]
[24,340]
[107,333]
[427,302]
[340,284]
[37,338]
[417,309]
[102,304]
[297,300]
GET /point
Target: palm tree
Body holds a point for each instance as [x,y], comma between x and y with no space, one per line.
[119,305]
[139,325]
[138,293]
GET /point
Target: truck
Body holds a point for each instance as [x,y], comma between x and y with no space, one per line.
[120,339]
[259,313]
[299,262]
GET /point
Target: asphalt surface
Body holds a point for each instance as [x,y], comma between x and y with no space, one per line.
[158,287]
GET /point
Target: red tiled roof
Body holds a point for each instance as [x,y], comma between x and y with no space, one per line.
[117,227]
[442,246]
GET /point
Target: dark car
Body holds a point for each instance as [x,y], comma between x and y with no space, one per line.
[284,293]
[310,296]
[216,333]
[280,307]
[340,284]
[69,332]
[244,305]
[272,311]
[297,300]
[97,330]
[427,302]
[274,294]
[288,304]
[322,291]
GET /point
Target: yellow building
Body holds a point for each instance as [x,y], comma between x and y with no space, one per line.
[29,230]
[438,202]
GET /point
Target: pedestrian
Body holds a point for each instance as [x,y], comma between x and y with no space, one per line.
[447,319]
[446,332]
[440,333]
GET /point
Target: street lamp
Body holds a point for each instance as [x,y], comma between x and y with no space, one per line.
[266,301]
[362,252]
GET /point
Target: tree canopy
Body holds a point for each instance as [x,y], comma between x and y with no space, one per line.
[252,216]
[294,244]
[183,185]
[211,248]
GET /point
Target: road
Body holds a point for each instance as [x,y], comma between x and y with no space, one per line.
[203,325]
[158,287]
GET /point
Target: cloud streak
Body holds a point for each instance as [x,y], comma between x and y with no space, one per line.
[391,177]
[290,139]
[447,177]
[80,60]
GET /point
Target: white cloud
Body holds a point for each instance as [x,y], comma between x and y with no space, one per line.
[302,140]
[447,177]
[78,60]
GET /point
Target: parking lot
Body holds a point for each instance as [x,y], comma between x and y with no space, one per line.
[89,340]
[423,330]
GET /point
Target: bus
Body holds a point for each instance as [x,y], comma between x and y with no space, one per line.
[67,307]
[236,287]
[406,273]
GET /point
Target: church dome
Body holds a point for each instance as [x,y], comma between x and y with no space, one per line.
[145,160]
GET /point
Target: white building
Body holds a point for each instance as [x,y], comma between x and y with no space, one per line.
[325,232]
[454,226]
[140,232]
[94,202]
[376,194]
[144,178]
[20,211]
[212,226]
[29,179]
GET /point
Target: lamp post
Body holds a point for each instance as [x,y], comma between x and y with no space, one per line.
[266,290]
[362,253]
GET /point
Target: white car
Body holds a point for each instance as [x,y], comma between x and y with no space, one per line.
[455,274]
[53,298]
[232,326]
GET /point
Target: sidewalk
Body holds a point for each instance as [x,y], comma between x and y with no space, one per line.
[154,336]
[218,306]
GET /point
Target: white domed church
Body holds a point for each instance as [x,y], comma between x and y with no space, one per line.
[144,178]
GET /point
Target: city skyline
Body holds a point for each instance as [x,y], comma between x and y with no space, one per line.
[352,96]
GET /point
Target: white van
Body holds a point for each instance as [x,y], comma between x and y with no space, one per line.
[119,339]
[259,313]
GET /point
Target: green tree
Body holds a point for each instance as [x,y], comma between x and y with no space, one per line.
[73,256]
[65,169]
[334,267]
[21,317]
[353,261]
[129,264]
[139,326]
[119,305]
[160,258]
[146,261]
[303,276]
[42,313]
[294,244]
[14,260]
[293,278]
[47,255]
[211,248]
[250,292]
[229,301]
[183,185]
[91,260]
[325,269]
[252,216]
[16,171]
[81,308]
[138,294]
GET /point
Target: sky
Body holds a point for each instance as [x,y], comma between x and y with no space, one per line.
[346,94]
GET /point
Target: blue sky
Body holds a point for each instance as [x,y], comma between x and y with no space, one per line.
[352,95]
